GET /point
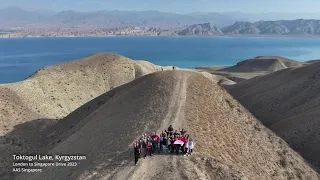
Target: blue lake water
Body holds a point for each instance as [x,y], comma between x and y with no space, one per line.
[19,58]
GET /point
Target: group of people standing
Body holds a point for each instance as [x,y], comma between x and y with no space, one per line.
[169,141]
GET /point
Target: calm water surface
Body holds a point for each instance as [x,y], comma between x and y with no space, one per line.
[20,58]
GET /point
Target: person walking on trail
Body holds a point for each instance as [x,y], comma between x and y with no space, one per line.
[136,153]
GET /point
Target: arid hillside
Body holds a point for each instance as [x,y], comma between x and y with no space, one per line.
[288,102]
[264,64]
[55,91]
[230,142]
[258,66]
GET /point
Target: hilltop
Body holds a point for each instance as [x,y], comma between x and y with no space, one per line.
[55,91]
[231,143]
[287,102]
[264,64]
[256,65]
[249,68]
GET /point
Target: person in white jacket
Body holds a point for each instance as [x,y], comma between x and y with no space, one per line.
[190,146]
[186,148]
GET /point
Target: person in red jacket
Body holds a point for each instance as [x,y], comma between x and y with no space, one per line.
[149,146]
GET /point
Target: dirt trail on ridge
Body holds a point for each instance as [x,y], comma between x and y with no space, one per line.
[175,117]
[174,166]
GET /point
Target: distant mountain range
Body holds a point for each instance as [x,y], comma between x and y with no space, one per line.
[300,27]
[201,29]
[281,27]
[16,22]
[14,17]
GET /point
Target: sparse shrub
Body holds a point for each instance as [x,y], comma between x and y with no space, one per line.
[229,103]
[256,127]
[100,103]
[283,162]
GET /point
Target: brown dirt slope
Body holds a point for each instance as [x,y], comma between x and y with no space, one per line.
[256,65]
[288,62]
[259,63]
[288,102]
[230,142]
[313,61]
[54,92]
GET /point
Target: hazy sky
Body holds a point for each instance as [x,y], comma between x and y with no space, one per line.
[178,6]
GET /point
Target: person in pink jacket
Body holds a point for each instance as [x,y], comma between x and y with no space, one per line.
[149,146]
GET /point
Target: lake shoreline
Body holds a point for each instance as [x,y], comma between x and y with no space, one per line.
[227,36]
